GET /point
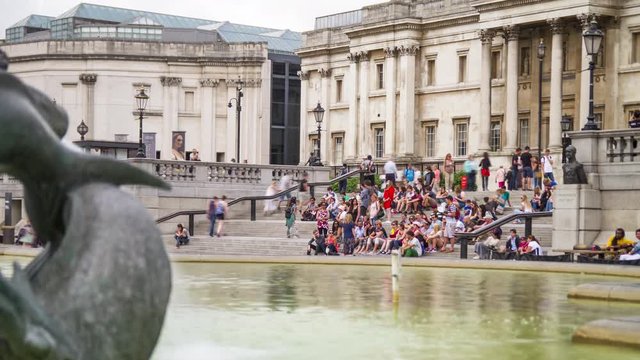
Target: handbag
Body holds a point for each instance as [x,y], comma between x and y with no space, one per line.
[500,210]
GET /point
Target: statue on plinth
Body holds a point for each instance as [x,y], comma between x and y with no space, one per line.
[100,287]
[573,171]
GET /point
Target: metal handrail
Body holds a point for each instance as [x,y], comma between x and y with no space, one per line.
[254,199]
[464,237]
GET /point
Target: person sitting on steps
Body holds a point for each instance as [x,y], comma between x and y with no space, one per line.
[181,236]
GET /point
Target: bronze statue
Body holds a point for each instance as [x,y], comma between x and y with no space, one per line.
[100,287]
[573,171]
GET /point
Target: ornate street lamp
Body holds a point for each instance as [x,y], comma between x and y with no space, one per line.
[238,100]
[318,113]
[592,41]
[541,51]
[82,129]
[141,100]
[566,124]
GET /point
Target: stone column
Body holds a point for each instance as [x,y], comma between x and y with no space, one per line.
[250,132]
[511,119]
[486,37]
[325,143]
[584,74]
[406,117]
[230,146]
[555,109]
[352,128]
[363,130]
[169,112]
[304,138]
[390,91]
[208,120]
[89,81]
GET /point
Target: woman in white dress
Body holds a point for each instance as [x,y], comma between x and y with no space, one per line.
[271,205]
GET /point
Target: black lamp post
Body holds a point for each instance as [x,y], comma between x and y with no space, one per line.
[238,100]
[141,101]
[318,113]
[566,124]
[82,129]
[592,41]
[541,50]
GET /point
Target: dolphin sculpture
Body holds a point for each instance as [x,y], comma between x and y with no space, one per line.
[100,287]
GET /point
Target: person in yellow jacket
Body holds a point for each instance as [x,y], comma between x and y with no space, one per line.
[619,241]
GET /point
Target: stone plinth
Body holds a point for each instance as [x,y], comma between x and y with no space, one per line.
[576,215]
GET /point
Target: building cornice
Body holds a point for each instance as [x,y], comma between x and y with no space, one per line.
[204,61]
[484,5]
[318,51]
[411,24]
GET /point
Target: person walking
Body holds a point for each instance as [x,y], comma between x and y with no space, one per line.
[369,170]
[409,174]
[449,167]
[527,169]
[290,217]
[211,215]
[342,185]
[501,175]
[436,178]
[390,171]
[515,167]
[471,169]
[221,212]
[485,165]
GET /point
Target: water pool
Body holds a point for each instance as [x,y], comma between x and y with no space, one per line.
[243,311]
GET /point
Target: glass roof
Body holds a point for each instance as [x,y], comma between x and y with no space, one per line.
[37,21]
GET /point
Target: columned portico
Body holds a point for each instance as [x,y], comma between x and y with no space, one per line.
[406,118]
[390,106]
[512,34]
[364,104]
[486,37]
[555,109]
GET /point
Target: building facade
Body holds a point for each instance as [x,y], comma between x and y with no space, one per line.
[92,60]
[415,80]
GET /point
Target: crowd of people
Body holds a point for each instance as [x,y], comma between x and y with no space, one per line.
[429,215]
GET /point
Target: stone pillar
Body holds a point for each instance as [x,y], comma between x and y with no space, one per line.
[249,128]
[511,119]
[325,143]
[390,106]
[555,109]
[208,120]
[486,38]
[304,139]
[577,215]
[89,81]
[406,117]
[584,74]
[169,112]
[363,130]
[352,127]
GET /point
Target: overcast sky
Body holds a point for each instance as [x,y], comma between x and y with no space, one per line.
[297,15]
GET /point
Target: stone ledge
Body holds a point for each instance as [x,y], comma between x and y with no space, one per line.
[607,291]
[618,331]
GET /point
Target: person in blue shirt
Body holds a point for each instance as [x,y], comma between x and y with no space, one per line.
[409,174]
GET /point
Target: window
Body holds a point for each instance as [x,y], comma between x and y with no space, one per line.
[380,76]
[188,101]
[430,136]
[338,150]
[523,133]
[635,50]
[495,134]
[431,72]
[462,68]
[379,142]
[525,61]
[462,138]
[496,65]
[219,157]
[338,90]
[598,118]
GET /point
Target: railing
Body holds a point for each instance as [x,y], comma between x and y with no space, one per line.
[338,20]
[254,200]
[622,147]
[466,236]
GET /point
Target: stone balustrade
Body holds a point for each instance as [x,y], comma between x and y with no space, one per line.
[608,151]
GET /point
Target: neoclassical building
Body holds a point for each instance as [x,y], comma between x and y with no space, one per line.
[93,59]
[415,80]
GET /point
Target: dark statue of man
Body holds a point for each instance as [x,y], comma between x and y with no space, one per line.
[572,169]
[100,287]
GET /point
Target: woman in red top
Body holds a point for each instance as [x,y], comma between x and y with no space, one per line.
[388,195]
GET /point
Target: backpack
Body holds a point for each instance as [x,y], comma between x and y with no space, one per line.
[287,212]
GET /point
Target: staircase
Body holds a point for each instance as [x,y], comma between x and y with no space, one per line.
[267,235]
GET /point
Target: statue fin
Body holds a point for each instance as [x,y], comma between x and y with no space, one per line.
[117,172]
